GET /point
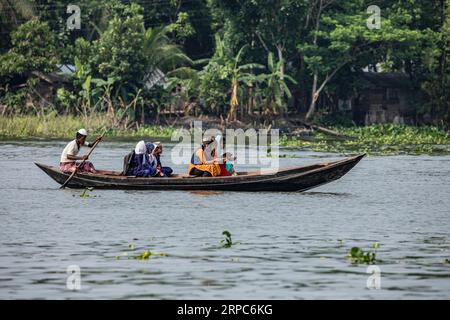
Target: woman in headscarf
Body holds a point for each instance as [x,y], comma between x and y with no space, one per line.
[141,165]
[204,162]
[154,151]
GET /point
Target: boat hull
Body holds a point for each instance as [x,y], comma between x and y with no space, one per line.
[294,179]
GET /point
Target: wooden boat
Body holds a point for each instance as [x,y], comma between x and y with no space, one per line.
[292,179]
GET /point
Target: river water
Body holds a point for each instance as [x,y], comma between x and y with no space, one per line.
[288,245]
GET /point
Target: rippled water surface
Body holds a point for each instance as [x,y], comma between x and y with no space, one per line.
[290,245]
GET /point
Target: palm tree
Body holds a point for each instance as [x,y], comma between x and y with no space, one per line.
[160,53]
[167,60]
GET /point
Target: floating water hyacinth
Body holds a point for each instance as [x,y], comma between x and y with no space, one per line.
[358,255]
[227,242]
[85,193]
[145,255]
[380,139]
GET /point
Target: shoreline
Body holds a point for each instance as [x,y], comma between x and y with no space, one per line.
[386,139]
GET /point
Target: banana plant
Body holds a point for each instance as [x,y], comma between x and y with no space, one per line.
[240,74]
[91,88]
[276,86]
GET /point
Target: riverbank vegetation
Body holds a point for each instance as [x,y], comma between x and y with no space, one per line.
[64,127]
[385,139]
[388,139]
[135,61]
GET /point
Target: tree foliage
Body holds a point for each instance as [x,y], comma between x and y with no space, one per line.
[232,57]
[33,49]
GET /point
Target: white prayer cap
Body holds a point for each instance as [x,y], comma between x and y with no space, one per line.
[82,132]
[208,139]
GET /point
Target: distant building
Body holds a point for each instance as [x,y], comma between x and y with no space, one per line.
[155,78]
[46,88]
[383,98]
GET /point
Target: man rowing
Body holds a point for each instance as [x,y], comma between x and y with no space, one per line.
[69,156]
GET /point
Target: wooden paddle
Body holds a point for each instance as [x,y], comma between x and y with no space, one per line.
[82,162]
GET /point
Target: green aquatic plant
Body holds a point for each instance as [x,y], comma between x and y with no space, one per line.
[145,255]
[227,242]
[358,255]
[380,139]
[85,193]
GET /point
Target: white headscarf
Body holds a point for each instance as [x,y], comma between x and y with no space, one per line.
[151,147]
[208,150]
[219,150]
[140,148]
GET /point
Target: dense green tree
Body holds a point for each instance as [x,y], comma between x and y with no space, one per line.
[189,23]
[317,39]
[125,61]
[33,49]
[12,14]
[267,26]
[341,37]
[431,68]
[323,44]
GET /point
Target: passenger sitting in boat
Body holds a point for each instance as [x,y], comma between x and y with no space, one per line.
[141,164]
[203,161]
[154,151]
[226,167]
[69,156]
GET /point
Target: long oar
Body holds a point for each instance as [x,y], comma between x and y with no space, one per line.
[81,163]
